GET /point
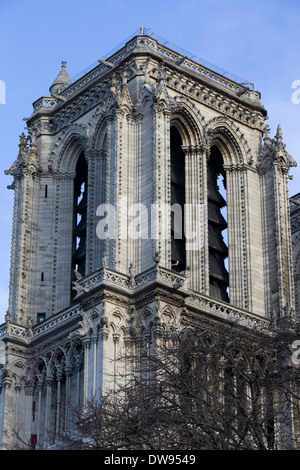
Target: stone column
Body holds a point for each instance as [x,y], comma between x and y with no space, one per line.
[17,395]
[2,407]
[95,364]
[136,170]
[28,411]
[160,187]
[109,244]
[237,231]
[116,339]
[58,405]
[16,268]
[86,381]
[39,423]
[78,385]
[102,362]
[7,398]
[278,264]
[286,294]
[68,372]
[62,257]
[48,381]
[196,217]
[24,234]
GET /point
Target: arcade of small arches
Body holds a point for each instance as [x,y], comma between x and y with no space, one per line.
[63,379]
[49,387]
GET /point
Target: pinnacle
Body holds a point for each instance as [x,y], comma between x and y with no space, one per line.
[62,80]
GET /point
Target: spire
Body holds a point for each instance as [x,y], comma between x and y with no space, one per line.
[62,80]
[280,152]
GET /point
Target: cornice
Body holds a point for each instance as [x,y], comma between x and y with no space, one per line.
[188,78]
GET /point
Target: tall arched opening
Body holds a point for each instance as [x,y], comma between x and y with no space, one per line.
[178,251]
[80,216]
[217,226]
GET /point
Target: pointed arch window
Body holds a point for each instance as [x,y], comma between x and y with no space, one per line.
[178,245]
[217,226]
[80,216]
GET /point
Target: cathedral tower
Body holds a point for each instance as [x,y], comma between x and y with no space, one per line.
[146,192]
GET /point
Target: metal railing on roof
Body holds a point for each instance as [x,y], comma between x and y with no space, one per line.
[166,43]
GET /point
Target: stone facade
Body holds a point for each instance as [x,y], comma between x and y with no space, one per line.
[113,138]
[295,221]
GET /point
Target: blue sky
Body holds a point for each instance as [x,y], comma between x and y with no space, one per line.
[257,40]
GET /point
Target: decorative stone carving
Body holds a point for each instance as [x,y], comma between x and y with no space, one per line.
[274,151]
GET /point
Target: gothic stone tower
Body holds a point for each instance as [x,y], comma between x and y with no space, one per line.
[99,259]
